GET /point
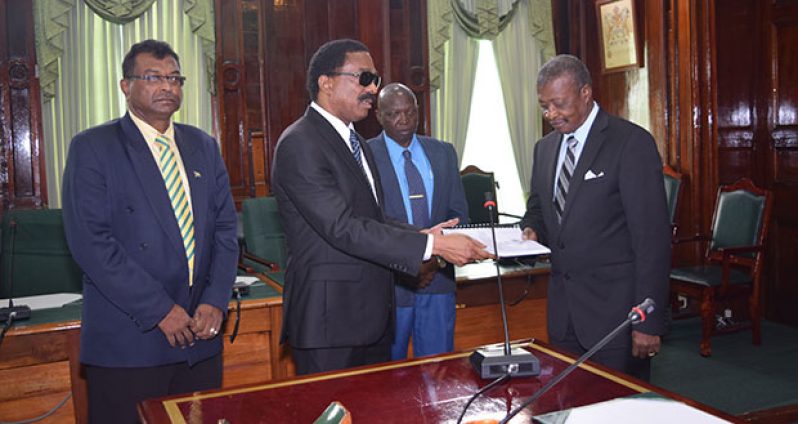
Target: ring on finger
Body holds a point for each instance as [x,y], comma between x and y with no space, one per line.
[652,354]
[213,330]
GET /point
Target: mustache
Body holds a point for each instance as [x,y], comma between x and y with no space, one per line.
[166,97]
[368,96]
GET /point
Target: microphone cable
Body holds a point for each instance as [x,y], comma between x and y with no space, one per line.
[479,393]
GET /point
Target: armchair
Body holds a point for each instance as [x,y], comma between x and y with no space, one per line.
[263,250]
[476,183]
[733,260]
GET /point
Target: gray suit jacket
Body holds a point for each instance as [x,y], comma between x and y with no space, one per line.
[448,201]
[341,249]
[612,249]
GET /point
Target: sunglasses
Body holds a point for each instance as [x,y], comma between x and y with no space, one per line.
[365,78]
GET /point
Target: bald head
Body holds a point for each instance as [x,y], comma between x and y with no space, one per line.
[397,111]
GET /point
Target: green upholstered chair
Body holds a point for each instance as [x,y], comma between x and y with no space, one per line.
[733,260]
[476,183]
[35,258]
[263,251]
[673,192]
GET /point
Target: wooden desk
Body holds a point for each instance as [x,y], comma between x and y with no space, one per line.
[39,358]
[432,390]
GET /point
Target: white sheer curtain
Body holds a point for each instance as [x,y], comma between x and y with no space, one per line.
[518,58]
[88,91]
[451,103]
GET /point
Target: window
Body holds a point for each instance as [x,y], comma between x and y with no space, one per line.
[488,139]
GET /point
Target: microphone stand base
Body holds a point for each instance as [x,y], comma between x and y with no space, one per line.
[492,363]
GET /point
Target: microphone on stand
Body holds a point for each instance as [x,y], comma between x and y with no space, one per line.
[494,363]
[637,315]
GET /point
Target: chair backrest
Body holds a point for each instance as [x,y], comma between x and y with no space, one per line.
[263,233]
[35,258]
[476,183]
[673,190]
[742,215]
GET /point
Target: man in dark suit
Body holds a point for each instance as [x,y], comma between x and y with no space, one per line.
[338,299]
[427,314]
[597,199]
[150,219]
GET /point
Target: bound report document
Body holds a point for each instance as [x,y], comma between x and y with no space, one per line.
[508,240]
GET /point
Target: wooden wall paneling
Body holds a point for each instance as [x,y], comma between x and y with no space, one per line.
[777,151]
[230,92]
[655,36]
[375,29]
[21,166]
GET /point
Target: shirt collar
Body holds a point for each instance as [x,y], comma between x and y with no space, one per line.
[149,132]
[339,125]
[583,131]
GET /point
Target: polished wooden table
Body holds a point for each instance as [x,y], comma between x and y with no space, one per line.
[428,390]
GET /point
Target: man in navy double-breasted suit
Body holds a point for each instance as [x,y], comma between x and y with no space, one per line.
[150,219]
[426,314]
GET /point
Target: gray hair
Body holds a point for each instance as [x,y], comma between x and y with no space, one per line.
[564,64]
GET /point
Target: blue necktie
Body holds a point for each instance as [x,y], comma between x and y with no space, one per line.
[564,179]
[416,192]
[355,141]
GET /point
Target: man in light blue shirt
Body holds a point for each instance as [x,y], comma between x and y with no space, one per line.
[421,186]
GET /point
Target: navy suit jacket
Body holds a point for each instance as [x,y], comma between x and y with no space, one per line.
[121,230]
[448,201]
[612,249]
[341,248]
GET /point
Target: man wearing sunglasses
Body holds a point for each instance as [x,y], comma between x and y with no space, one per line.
[338,299]
[150,219]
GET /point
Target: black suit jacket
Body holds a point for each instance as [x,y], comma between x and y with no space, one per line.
[612,249]
[339,286]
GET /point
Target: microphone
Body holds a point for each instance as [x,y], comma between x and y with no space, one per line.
[12,312]
[637,315]
[492,363]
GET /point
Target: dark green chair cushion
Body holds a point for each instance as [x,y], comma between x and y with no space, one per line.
[41,261]
[737,220]
[263,234]
[475,186]
[708,275]
[672,195]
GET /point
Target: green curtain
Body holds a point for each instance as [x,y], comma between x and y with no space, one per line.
[119,11]
[518,75]
[450,104]
[523,39]
[88,72]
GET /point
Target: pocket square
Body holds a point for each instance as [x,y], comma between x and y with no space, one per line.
[589,175]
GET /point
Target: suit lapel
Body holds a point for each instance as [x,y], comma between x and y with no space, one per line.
[196,175]
[435,156]
[151,180]
[392,204]
[595,139]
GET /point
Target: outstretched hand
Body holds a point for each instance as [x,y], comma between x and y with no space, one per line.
[459,249]
[436,230]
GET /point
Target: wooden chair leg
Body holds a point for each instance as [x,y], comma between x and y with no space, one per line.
[707,320]
[756,320]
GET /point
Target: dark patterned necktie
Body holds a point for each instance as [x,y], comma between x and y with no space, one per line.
[355,141]
[564,178]
[416,192]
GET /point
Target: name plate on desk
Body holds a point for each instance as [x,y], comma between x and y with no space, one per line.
[508,241]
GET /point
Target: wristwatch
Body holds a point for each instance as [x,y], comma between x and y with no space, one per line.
[441,261]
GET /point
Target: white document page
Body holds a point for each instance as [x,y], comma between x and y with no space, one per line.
[508,240]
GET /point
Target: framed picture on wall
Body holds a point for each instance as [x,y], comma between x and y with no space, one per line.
[618,34]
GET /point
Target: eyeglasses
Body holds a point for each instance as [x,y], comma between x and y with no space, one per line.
[154,79]
[365,78]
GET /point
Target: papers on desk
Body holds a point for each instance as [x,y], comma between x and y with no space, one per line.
[632,411]
[45,301]
[246,280]
[508,240]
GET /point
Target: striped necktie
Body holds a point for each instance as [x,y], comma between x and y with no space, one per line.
[355,141]
[564,178]
[167,161]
